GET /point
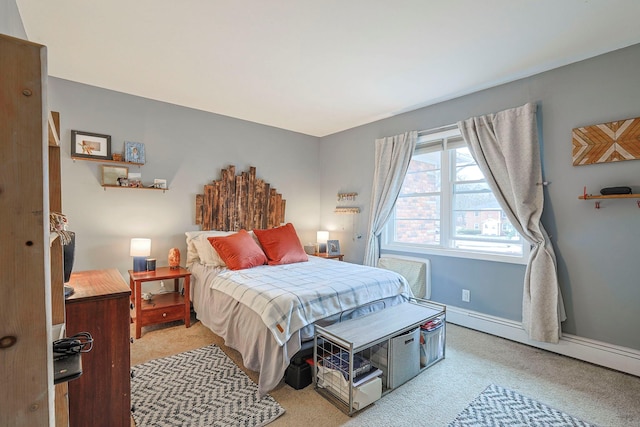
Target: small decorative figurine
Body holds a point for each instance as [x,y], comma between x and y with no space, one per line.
[174,258]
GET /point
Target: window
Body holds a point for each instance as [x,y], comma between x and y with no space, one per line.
[446,206]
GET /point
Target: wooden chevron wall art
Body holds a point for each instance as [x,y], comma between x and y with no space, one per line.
[607,142]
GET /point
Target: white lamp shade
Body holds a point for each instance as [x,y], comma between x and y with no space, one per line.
[140,247]
[322,236]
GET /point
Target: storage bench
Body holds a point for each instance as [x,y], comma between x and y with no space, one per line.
[359,360]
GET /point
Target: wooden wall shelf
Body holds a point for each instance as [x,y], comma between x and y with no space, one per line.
[599,197]
[134,188]
[609,196]
[346,210]
[74,158]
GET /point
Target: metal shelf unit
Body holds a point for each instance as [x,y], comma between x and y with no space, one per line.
[355,342]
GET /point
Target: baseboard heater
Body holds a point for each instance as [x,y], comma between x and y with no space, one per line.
[611,356]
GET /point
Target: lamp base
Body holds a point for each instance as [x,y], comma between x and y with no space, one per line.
[139,264]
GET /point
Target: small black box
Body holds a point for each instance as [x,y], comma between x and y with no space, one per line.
[66,367]
[298,375]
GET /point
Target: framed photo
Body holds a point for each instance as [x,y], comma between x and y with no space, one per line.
[333,247]
[90,145]
[134,152]
[114,175]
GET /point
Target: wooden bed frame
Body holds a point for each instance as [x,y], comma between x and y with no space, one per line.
[236,202]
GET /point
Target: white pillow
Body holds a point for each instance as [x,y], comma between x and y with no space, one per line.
[200,250]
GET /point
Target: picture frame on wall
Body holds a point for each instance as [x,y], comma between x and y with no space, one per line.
[134,152]
[333,247]
[114,175]
[90,145]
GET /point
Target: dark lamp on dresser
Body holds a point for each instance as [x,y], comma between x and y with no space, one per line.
[140,249]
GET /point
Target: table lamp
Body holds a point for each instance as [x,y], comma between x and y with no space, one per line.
[140,250]
[321,240]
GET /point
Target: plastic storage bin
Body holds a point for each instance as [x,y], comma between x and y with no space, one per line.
[431,343]
[404,351]
[363,394]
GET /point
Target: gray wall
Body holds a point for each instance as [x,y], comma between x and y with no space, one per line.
[10,21]
[596,249]
[186,147]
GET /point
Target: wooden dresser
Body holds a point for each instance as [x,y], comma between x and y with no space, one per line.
[100,306]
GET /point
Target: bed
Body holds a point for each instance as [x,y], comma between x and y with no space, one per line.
[258,290]
[267,311]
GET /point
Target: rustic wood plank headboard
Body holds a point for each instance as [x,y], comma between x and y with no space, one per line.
[236,202]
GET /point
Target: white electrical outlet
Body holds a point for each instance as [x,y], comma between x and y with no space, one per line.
[466,295]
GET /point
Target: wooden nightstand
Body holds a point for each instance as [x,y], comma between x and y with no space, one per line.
[164,307]
[327,256]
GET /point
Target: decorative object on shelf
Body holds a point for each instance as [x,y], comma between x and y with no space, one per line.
[347,197]
[346,210]
[160,183]
[606,142]
[151,264]
[174,258]
[58,224]
[90,145]
[68,257]
[134,152]
[116,157]
[140,249]
[310,249]
[123,182]
[113,175]
[135,180]
[615,190]
[333,247]
[321,241]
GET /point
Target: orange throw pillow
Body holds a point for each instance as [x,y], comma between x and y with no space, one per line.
[239,250]
[281,245]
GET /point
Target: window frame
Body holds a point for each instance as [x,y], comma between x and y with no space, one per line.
[443,140]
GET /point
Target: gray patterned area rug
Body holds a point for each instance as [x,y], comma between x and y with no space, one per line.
[201,387]
[497,406]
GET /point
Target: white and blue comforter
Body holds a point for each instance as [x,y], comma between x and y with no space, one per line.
[292,296]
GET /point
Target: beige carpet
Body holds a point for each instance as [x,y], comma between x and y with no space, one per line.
[434,398]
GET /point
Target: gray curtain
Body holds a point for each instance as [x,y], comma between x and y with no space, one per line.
[393,155]
[505,146]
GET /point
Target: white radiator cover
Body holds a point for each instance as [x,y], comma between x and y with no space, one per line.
[417,273]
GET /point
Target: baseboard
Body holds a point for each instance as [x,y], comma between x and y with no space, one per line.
[597,352]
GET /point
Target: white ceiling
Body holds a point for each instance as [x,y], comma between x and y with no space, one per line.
[319,66]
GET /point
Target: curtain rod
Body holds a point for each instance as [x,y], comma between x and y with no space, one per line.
[438,129]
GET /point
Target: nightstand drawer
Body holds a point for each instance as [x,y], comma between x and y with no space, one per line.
[162,314]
